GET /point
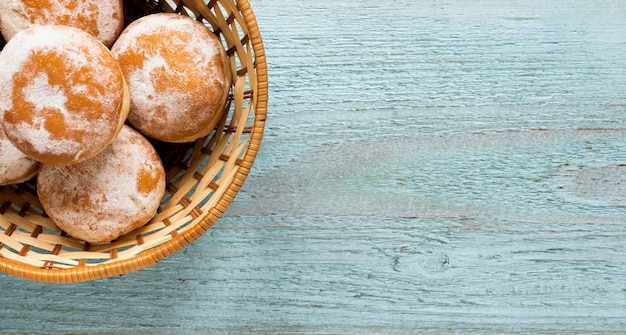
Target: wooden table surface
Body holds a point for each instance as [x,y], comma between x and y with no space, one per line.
[427,167]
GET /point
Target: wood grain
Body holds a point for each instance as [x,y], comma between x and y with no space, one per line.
[428,167]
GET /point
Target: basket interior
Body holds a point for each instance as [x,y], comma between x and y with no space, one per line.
[203,177]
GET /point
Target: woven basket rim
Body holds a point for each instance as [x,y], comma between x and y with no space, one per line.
[183,238]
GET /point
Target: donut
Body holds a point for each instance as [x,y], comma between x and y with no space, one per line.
[100,199]
[101,18]
[15,166]
[64,97]
[178,74]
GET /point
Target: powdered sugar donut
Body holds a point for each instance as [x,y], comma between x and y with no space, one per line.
[101,18]
[178,74]
[15,166]
[64,97]
[115,192]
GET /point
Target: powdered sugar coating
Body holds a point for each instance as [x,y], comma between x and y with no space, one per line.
[15,166]
[63,94]
[113,193]
[101,18]
[177,73]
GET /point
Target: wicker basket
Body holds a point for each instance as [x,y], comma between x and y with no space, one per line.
[203,177]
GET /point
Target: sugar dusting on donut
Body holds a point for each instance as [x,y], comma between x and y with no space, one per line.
[175,67]
[101,18]
[63,94]
[111,194]
[15,166]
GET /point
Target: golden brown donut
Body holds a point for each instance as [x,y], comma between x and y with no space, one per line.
[101,18]
[15,166]
[115,192]
[178,74]
[64,97]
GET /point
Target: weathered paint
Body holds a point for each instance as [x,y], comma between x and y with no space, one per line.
[428,167]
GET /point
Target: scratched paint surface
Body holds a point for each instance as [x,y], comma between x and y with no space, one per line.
[427,167]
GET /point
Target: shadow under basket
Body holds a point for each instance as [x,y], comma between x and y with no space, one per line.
[203,177]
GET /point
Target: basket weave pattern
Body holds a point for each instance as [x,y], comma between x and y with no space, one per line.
[203,177]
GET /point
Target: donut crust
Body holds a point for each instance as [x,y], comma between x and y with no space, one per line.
[115,192]
[179,76]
